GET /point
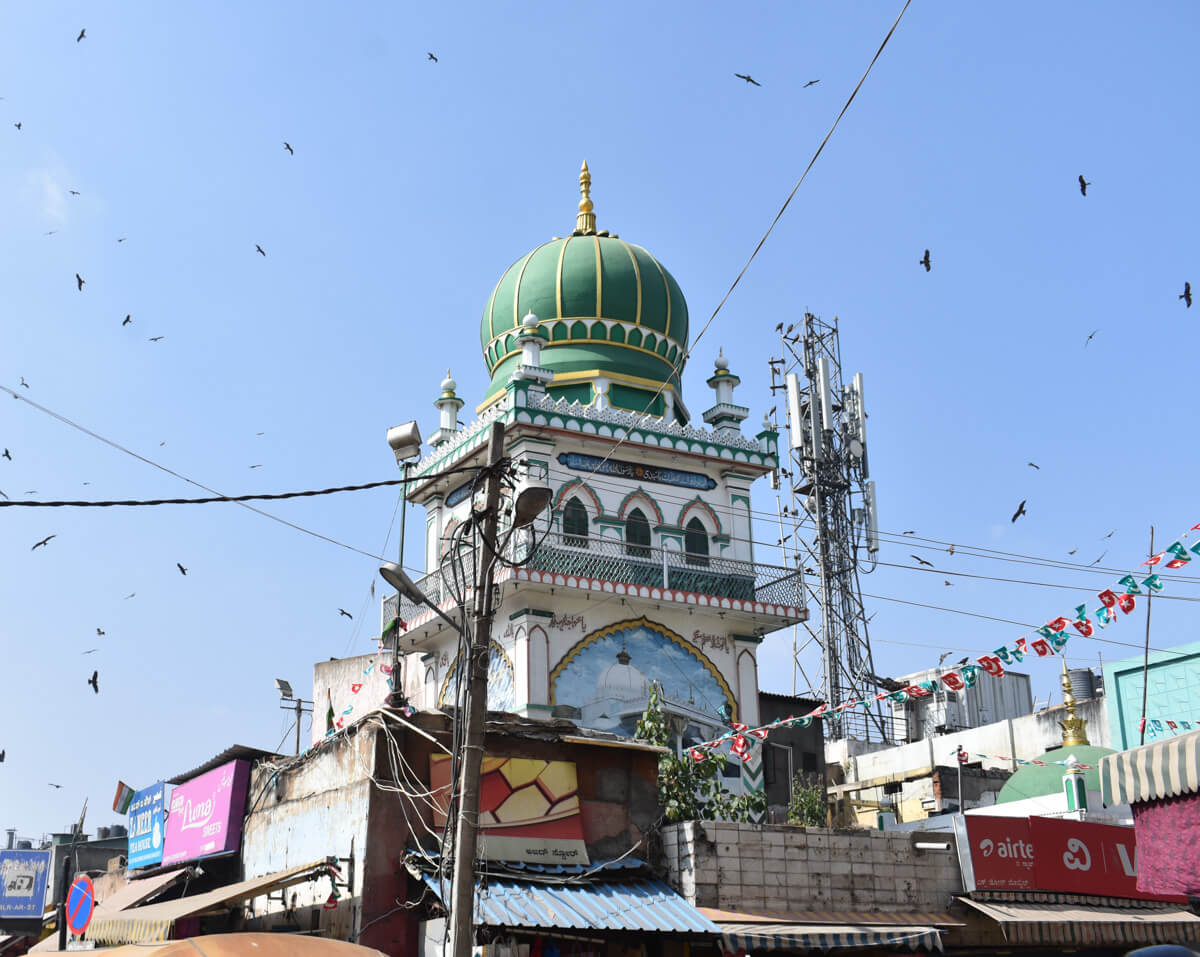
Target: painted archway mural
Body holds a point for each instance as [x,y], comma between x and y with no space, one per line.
[500,681]
[608,673]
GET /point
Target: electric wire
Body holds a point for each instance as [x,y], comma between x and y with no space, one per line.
[686,353]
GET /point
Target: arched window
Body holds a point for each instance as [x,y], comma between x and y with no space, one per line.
[637,535]
[695,542]
[575,524]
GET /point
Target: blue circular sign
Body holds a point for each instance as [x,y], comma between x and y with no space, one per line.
[81,903]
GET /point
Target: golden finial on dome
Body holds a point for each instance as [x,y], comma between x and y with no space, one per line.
[585,222]
[1074,727]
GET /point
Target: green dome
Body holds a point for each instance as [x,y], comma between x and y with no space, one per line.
[1033,780]
[607,307]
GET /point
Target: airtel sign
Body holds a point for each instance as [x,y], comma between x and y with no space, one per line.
[1049,854]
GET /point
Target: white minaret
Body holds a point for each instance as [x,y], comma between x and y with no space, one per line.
[448,404]
[724,415]
[530,339]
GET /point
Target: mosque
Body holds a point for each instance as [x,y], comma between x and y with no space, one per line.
[644,567]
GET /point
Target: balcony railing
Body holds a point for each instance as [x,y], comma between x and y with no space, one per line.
[617,561]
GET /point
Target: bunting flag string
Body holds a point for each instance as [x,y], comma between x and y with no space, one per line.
[1117,600]
[1005,757]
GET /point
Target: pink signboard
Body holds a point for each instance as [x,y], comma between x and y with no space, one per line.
[205,816]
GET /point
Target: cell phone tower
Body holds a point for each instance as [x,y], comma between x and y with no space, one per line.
[833,520]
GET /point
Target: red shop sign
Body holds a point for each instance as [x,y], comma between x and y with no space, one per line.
[1050,854]
[1001,852]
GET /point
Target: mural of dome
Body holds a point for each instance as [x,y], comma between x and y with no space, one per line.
[623,681]
[608,309]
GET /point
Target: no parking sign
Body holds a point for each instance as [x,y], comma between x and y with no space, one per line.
[81,903]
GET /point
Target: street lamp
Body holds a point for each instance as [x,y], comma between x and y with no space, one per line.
[405,443]
[395,576]
[285,694]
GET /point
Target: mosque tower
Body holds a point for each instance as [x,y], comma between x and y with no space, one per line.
[645,554]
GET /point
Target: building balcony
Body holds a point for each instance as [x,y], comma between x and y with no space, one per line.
[761,597]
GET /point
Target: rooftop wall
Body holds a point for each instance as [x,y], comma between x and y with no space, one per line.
[777,867]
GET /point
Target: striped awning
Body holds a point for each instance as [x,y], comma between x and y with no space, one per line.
[761,937]
[1078,925]
[1161,769]
[154,921]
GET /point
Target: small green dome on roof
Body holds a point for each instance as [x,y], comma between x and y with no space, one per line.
[1034,780]
[603,305]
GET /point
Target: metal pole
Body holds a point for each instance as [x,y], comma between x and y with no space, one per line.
[299,713]
[462,893]
[958,758]
[397,684]
[1145,654]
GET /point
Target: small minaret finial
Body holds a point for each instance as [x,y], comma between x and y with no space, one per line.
[1074,727]
[585,222]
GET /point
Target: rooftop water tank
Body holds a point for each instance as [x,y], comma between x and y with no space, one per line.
[1083,683]
[103,833]
[118,830]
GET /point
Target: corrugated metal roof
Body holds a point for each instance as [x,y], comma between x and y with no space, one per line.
[1040,924]
[760,937]
[1158,770]
[229,754]
[873,918]
[635,905]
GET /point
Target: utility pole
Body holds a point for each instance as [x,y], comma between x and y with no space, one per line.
[1145,655]
[462,907]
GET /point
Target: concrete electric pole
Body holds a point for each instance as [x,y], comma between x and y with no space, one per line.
[462,907]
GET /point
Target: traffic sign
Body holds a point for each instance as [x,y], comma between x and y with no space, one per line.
[81,903]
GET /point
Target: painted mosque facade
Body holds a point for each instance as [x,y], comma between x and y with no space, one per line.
[643,569]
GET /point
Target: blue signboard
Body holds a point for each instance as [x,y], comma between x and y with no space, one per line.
[23,876]
[146,825]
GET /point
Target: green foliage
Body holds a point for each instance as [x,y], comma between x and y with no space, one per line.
[806,805]
[690,790]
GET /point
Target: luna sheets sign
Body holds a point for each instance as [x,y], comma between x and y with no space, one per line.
[147,821]
[204,815]
[23,876]
[528,809]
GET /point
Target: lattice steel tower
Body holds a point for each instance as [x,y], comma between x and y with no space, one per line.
[832,517]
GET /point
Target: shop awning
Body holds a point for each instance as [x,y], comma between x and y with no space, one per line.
[630,905]
[1161,769]
[1077,924]
[154,921]
[760,937]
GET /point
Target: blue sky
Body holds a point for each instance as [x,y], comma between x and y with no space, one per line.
[415,184]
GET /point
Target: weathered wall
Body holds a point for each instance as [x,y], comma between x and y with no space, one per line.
[806,747]
[315,809]
[777,867]
[334,681]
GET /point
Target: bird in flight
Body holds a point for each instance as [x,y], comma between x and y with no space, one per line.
[157,338]
[809,83]
[260,249]
[94,681]
[942,657]
[89,651]
[128,319]
[917,558]
[1034,465]
[944,582]
[1090,337]
[130,595]
[182,570]
[1186,295]
[8,455]
[1072,551]
[82,34]
[79,280]
[260,433]
[100,632]
[44,541]
[950,549]
[73,192]
[2,753]
[50,233]
[342,611]
[430,56]
[122,239]
[1083,184]
[53,785]
[1098,560]
[1111,534]
[255,466]
[1020,510]
[288,146]
[748,78]
[24,383]
[18,126]
[909,532]
[925,261]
